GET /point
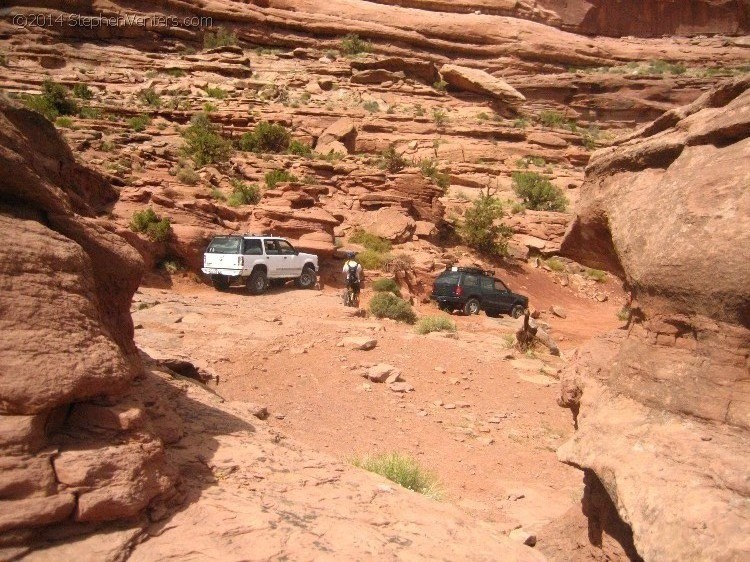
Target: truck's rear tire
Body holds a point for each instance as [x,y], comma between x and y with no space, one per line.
[307,279]
[220,282]
[257,283]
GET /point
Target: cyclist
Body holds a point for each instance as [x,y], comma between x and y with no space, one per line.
[353,272]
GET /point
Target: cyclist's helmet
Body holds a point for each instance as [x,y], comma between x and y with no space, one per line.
[350,255]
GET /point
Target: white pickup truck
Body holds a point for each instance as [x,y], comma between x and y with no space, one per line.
[257,261]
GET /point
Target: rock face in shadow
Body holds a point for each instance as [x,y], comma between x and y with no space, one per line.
[67,283]
[663,409]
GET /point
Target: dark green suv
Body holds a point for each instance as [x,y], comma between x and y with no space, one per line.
[472,289]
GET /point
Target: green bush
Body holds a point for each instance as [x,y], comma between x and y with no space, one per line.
[386,286]
[440,85]
[440,117]
[435,324]
[555,265]
[402,470]
[139,122]
[64,122]
[391,160]
[538,193]
[430,170]
[149,223]
[552,119]
[300,149]
[188,175]
[330,156]
[479,231]
[216,93]
[662,67]
[87,112]
[174,72]
[275,176]
[370,241]
[590,136]
[372,106]
[150,97]
[596,274]
[53,101]
[371,260]
[244,194]
[83,92]
[203,143]
[266,137]
[353,45]
[219,38]
[388,305]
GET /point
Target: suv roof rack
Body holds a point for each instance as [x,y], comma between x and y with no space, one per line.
[469,269]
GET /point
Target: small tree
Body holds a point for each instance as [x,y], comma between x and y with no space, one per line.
[244,194]
[538,193]
[391,160]
[203,143]
[479,230]
[265,137]
[353,45]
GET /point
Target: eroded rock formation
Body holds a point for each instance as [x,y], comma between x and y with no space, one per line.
[664,405]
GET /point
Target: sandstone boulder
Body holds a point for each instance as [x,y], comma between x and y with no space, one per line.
[662,409]
[392,225]
[480,82]
[342,131]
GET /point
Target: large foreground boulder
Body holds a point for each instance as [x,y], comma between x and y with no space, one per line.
[663,407]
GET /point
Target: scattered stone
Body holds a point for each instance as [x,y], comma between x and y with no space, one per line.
[358,343]
[260,412]
[558,311]
[380,372]
[401,387]
[524,537]
[449,406]
[393,377]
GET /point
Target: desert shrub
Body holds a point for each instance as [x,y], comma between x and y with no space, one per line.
[482,116]
[171,266]
[391,160]
[209,107]
[275,176]
[520,123]
[372,106]
[429,169]
[353,45]
[403,470]
[386,286]
[555,264]
[150,224]
[590,136]
[87,112]
[219,38]
[203,143]
[330,156]
[64,122]
[300,149]
[440,117]
[440,85]
[265,137]
[517,207]
[388,305]
[174,72]
[418,110]
[624,313]
[83,92]
[3,60]
[552,119]
[149,97]
[53,101]
[371,260]
[479,231]
[393,263]
[663,67]
[187,175]
[596,274]
[217,93]
[538,193]
[139,122]
[435,324]
[244,194]
[370,241]
[217,195]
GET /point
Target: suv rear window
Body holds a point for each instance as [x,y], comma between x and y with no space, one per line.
[253,247]
[448,278]
[224,245]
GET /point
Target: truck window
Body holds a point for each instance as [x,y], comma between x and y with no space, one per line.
[500,286]
[224,245]
[286,248]
[471,281]
[253,248]
[486,283]
[271,248]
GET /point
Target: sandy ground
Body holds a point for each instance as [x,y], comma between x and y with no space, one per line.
[482,417]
